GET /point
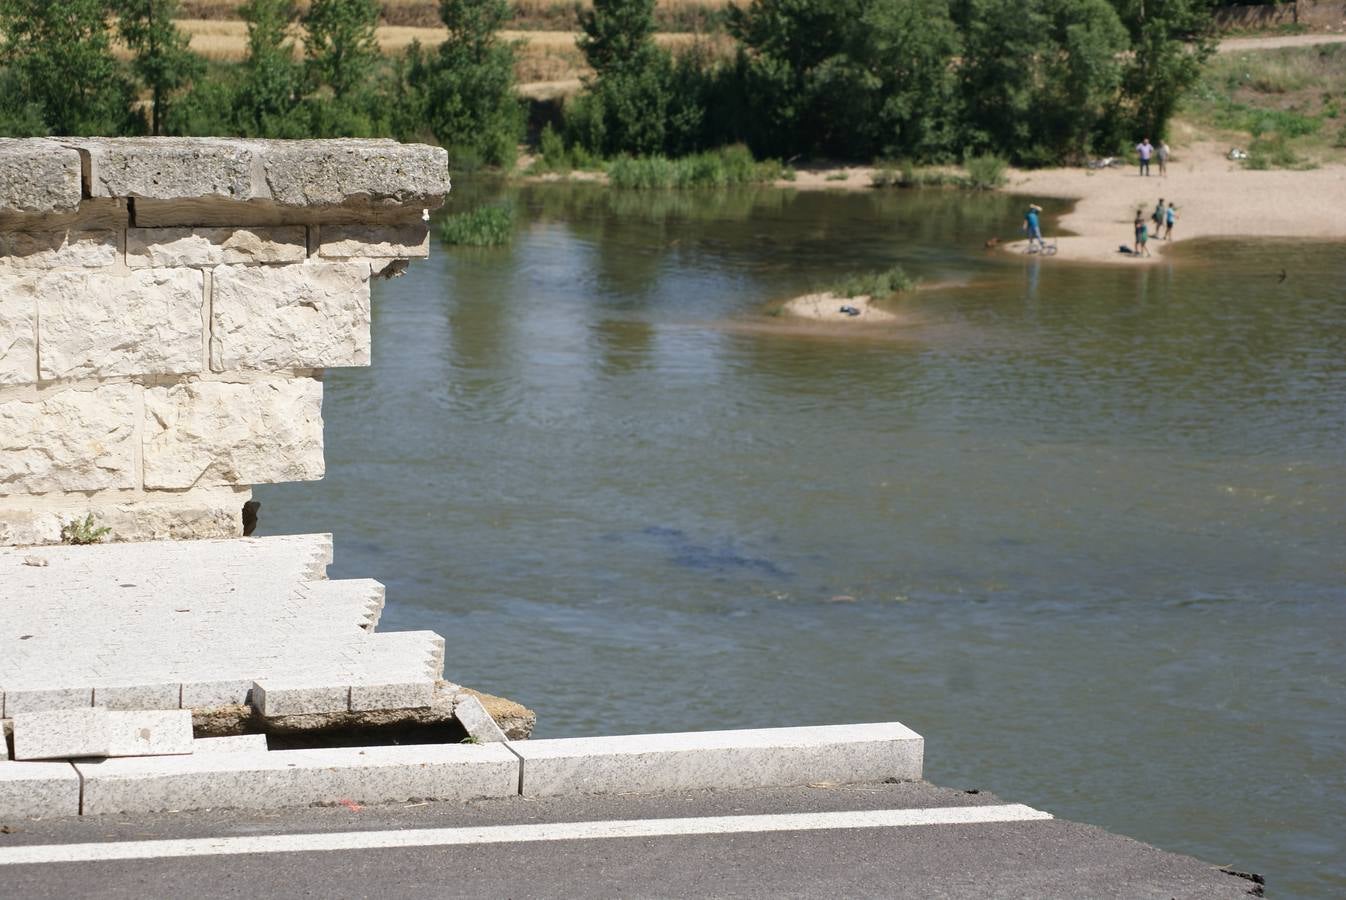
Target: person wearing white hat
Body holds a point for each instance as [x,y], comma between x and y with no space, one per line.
[1033,225]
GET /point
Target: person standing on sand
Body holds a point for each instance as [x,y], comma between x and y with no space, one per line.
[1033,225]
[1170,216]
[1162,155]
[1157,217]
[1142,234]
[1146,150]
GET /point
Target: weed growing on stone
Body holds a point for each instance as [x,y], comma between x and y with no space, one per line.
[84,532]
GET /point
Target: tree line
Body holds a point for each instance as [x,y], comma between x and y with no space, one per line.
[1035,81]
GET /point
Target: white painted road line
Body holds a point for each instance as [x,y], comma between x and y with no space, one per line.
[510,834]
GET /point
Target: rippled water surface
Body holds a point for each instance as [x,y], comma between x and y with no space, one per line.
[1081,527]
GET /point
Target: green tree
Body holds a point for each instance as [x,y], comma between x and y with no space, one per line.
[640,99]
[163,60]
[1039,76]
[270,92]
[846,77]
[340,48]
[1170,41]
[467,88]
[61,65]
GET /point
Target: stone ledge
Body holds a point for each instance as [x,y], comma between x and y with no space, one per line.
[44,174]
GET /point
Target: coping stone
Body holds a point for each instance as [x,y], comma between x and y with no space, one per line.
[477,721]
[61,733]
[280,778]
[284,697]
[32,789]
[149,732]
[237,743]
[289,173]
[391,695]
[164,695]
[38,176]
[720,759]
[24,700]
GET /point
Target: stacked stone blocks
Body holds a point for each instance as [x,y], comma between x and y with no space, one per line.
[166,309]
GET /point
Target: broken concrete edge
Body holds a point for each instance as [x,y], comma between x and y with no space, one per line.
[514,719]
[650,763]
[43,175]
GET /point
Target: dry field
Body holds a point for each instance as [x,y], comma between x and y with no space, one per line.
[544,56]
[675,15]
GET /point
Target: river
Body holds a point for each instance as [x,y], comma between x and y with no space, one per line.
[1083,528]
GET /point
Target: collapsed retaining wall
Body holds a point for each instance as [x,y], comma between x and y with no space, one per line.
[167,307]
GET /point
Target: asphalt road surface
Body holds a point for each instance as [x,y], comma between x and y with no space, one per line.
[886,840]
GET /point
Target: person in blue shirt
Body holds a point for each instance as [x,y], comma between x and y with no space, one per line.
[1033,226]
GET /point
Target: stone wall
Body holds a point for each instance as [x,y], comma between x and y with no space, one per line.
[167,307]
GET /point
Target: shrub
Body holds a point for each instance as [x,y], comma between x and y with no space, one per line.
[985,172]
[485,226]
[716,168]
[1271,152]
[876,285]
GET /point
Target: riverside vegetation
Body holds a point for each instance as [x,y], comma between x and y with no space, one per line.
[934,81]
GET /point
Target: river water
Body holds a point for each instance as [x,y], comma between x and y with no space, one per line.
[1083,528]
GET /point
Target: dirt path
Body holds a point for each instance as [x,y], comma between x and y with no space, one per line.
[1243,45]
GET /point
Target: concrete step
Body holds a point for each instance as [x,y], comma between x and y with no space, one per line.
[280,778]
[720,759]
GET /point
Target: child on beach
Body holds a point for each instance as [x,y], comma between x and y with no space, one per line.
[1142,234]
[1170,216]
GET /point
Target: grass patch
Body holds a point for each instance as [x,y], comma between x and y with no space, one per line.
[875,285]
[713,169]
[485,226]
[1288,102]
[982,173]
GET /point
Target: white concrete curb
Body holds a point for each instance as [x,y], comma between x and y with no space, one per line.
[643,763]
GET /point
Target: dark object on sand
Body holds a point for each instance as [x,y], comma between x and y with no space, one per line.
[850,311]
[1125,249]
[250,516]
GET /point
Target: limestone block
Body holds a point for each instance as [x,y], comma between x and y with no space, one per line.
[298,697]
[38,176]
[61,733]
[216,433]
[149,732]
[374,241]
[477,721]
[280,778]
[202,513]
[165,247]
[18,333]
[317,173]
[54,249]
[307,316]
[720,759]
[33,789]
[74,440]
[96,325]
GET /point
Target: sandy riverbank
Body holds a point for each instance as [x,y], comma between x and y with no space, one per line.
[826,307]
[1216,197]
